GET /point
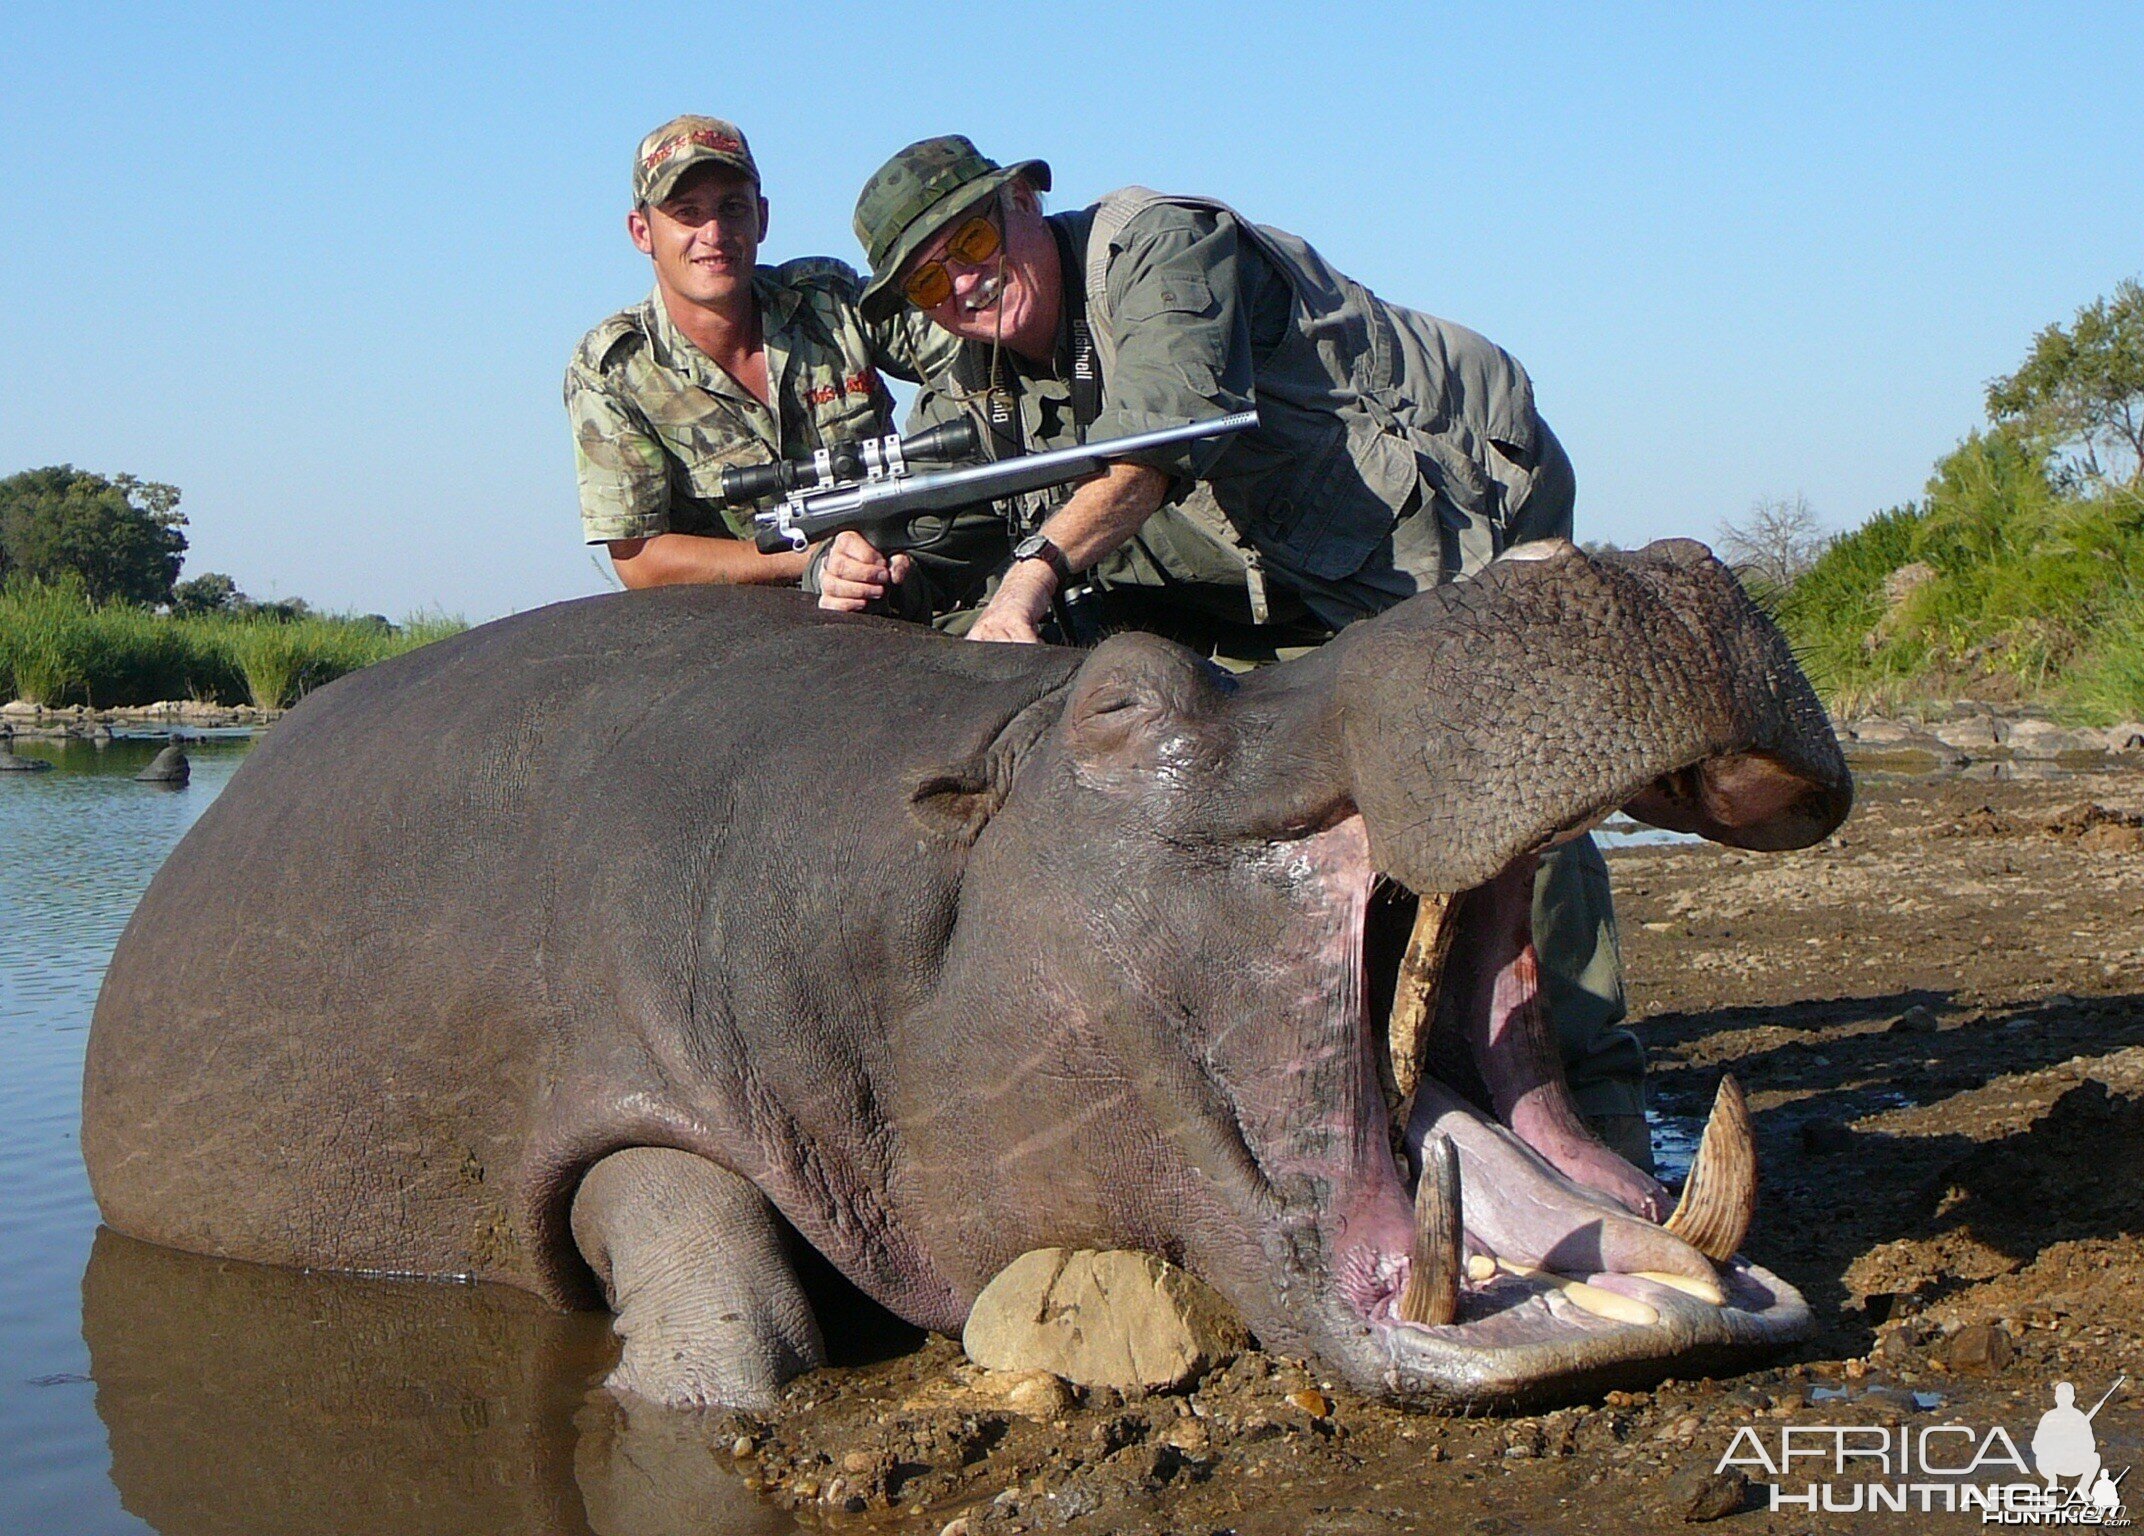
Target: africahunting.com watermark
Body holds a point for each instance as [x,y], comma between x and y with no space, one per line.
[1941,1468]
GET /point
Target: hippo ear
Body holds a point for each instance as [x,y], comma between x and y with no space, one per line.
[958,800]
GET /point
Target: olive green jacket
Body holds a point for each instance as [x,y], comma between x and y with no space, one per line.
[1394,450]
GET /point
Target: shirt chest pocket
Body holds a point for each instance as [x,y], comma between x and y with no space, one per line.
[845,410]
[1166,293]
[702,457]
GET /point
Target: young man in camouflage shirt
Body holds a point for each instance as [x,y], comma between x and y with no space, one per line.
[726,362]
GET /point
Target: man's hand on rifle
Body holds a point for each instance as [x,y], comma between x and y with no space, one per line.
[854,575]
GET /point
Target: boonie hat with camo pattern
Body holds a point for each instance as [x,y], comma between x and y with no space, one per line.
[917,193]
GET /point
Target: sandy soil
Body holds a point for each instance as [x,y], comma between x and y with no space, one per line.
[1939,1017]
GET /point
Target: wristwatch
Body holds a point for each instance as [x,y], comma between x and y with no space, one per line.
[1036,547]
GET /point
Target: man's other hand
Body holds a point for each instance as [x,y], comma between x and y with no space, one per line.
[1016,611]
[853,575]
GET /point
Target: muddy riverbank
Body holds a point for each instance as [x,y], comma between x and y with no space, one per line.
[1939,1017]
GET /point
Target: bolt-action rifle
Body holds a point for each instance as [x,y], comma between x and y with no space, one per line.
[873,485]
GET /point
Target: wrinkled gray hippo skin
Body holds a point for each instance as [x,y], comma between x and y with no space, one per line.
[593,949]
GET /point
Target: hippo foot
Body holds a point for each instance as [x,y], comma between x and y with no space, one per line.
[690,1257]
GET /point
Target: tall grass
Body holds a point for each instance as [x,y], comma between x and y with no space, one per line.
[58,648]
[2107,685]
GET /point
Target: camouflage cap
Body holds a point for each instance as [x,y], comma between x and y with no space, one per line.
[914,195]
[684,144]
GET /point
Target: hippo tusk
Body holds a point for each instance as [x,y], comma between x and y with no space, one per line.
[1611,1306]
[1720,1199]
[1414,997]
[1432,1294]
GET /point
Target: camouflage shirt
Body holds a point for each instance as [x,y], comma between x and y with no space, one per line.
[656,421]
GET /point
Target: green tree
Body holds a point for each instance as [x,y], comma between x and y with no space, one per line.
[210,592]
[2082,389]
[120,536]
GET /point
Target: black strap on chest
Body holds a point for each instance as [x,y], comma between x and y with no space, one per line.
[1086,365]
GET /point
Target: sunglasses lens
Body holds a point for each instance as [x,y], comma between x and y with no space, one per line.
[928,286]
[974,241]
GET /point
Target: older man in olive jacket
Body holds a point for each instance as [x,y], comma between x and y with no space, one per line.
[1394,451]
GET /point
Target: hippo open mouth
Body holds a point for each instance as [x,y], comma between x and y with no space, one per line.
[1507,1255]
[1381,1162]
[1492,1248]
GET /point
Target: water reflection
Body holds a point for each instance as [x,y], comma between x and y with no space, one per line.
[241,1399]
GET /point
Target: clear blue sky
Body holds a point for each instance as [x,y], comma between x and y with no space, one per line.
[321,266]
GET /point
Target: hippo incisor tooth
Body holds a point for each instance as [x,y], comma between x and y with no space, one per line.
[1432,1294]
[1720,1198]
[1613,1306]
[1414,997]
[1686,1284]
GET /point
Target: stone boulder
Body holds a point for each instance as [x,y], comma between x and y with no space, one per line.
[1976,733]
[2044,739]
[1877,732]
[167,767]
[1114,1319]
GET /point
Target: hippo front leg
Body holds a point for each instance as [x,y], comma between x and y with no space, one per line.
[690,1256]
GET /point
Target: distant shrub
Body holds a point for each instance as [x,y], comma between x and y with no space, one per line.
[57,647]
[2106,685]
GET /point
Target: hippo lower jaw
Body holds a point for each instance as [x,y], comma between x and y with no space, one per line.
[1538,1268]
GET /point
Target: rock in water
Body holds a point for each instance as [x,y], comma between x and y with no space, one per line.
[10,763]
[167,767]
[1117,1319]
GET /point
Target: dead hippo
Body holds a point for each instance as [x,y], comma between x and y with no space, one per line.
[590,950]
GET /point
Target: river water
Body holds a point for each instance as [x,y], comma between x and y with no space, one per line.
[147,1390]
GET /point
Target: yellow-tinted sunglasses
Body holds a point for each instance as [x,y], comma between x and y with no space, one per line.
[976,240]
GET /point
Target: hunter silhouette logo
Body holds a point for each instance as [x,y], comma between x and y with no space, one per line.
[2065,1447]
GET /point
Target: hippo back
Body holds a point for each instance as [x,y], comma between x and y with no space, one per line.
[475,917]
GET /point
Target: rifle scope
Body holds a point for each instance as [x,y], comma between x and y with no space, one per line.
[870,459]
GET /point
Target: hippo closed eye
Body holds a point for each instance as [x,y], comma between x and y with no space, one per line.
[601,949]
